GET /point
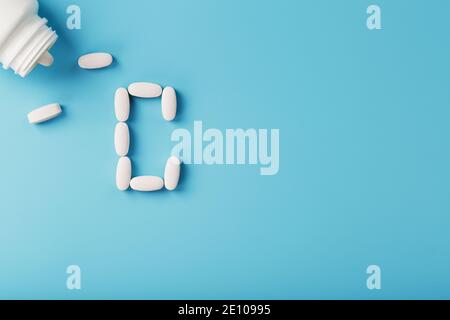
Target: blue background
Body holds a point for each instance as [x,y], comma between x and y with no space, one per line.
[364,160]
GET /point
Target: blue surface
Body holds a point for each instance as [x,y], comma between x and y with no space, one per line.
[364,173]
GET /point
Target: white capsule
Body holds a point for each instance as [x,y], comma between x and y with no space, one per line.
[96,60]
[44,113]
[122,104]
[147,183]
[123,173]
[172,173]
[145,90]
[122,139]
[169,104]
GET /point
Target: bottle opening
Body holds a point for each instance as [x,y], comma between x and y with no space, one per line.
[28,46]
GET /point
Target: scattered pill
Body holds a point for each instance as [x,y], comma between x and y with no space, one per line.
[123,173]
[95,60]
[145,90]
[44,113]
[172,173]
[122,104]
[147,183]
[169,104]
[122,139]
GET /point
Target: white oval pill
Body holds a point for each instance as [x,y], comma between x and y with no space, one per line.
[46,59]
[145,90]
[147,183]
[123,173]
[44,113]
[122,139]
[172,173]
[96,60]
[122,104]
[169,104]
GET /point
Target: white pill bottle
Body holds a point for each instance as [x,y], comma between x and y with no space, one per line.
[25,38]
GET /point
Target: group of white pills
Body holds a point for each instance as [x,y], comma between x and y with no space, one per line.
[89,61]
[146,90]
[122,140]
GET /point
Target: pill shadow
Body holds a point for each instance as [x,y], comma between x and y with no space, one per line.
[184,178]
[180,107]
[114,65]
[134,140]
[136,168]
